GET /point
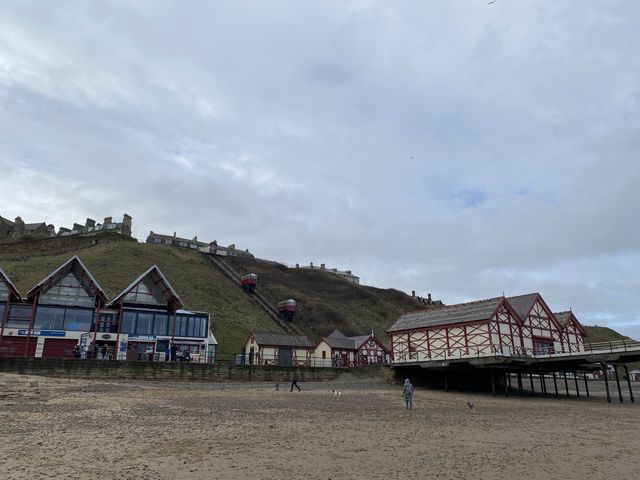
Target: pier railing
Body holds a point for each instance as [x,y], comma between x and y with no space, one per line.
[445,353]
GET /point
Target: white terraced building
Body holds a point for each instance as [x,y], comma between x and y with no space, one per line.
[516,326]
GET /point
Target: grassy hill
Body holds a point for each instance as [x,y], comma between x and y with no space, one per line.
[597,334]
[325,301]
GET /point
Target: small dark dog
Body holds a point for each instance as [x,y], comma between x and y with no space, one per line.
[472,407]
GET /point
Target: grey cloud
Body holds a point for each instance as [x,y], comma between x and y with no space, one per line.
[456,147]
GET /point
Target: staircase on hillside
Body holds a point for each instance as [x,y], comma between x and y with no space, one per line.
[235,277]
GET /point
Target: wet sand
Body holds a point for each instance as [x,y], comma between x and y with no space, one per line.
[52,428]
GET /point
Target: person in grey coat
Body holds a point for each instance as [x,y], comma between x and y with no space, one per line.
[407,394]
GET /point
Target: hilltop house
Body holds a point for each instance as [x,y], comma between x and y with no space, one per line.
[175,241]
[18,229]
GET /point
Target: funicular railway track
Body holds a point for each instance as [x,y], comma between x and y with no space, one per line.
[260,299]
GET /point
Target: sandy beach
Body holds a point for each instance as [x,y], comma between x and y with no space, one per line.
[55,428]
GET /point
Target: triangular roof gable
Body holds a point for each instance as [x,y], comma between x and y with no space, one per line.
[568,316]
[9,285]
[362,339]
[336,334]
[509,307]
[70,266]
[156,277]
[523,304]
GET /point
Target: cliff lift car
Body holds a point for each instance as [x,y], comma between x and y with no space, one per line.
[287,309]
[249,282]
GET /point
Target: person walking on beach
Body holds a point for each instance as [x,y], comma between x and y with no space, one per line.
[407,393]
[294,381]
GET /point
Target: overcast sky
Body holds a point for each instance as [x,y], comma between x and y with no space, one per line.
[455,147]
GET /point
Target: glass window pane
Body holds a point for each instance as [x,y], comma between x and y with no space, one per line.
[4,292]
[49,318]
[160,324]
[181,326]
[128,322]
[67,291]
[19,317]
[191,323]
[78,319]
[144,323]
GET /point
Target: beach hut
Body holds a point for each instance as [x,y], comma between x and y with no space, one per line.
[278,349]
[339,350]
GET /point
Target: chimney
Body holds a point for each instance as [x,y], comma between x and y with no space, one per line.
[90,223]
[413,293]
[195,239]
[311,264]
[174,234]
[429,297]
[322,266]
[107,220]
[297,265]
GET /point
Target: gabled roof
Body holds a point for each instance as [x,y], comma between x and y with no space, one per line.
[568,316]
[68,266]
[12,288]
[447,315]
[523,304]
[342,343]
[168,293]
[282,340]
[336,334]
[359,340]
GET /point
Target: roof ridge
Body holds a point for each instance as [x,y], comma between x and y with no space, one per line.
[523,295]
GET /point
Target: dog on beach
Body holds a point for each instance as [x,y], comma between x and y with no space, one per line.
[337,393]
[472,407]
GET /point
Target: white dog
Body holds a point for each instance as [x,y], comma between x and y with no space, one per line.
[472,407]
[337,393]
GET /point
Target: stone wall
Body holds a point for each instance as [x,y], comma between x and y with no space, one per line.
[159,371]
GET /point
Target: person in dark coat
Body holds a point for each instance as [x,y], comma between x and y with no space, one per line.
[407,394]
[174,352]
[294,381]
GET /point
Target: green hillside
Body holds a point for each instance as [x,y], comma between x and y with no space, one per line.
[596,334]
[325,301]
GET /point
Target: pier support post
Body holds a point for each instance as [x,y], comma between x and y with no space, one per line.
[520,383]
[555,384]
[626,374]
[542,385]
[566,384]
[586,384]
[531,380]
[575,379]
[446,382]
[615,369]
[493,383]
[606,382]
[507,384]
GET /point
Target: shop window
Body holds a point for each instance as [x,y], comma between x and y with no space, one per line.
[19,317]
[49,318]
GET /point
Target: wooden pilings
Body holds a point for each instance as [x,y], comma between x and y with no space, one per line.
[615,370]
[606,382]
[626,374]
[555,384]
